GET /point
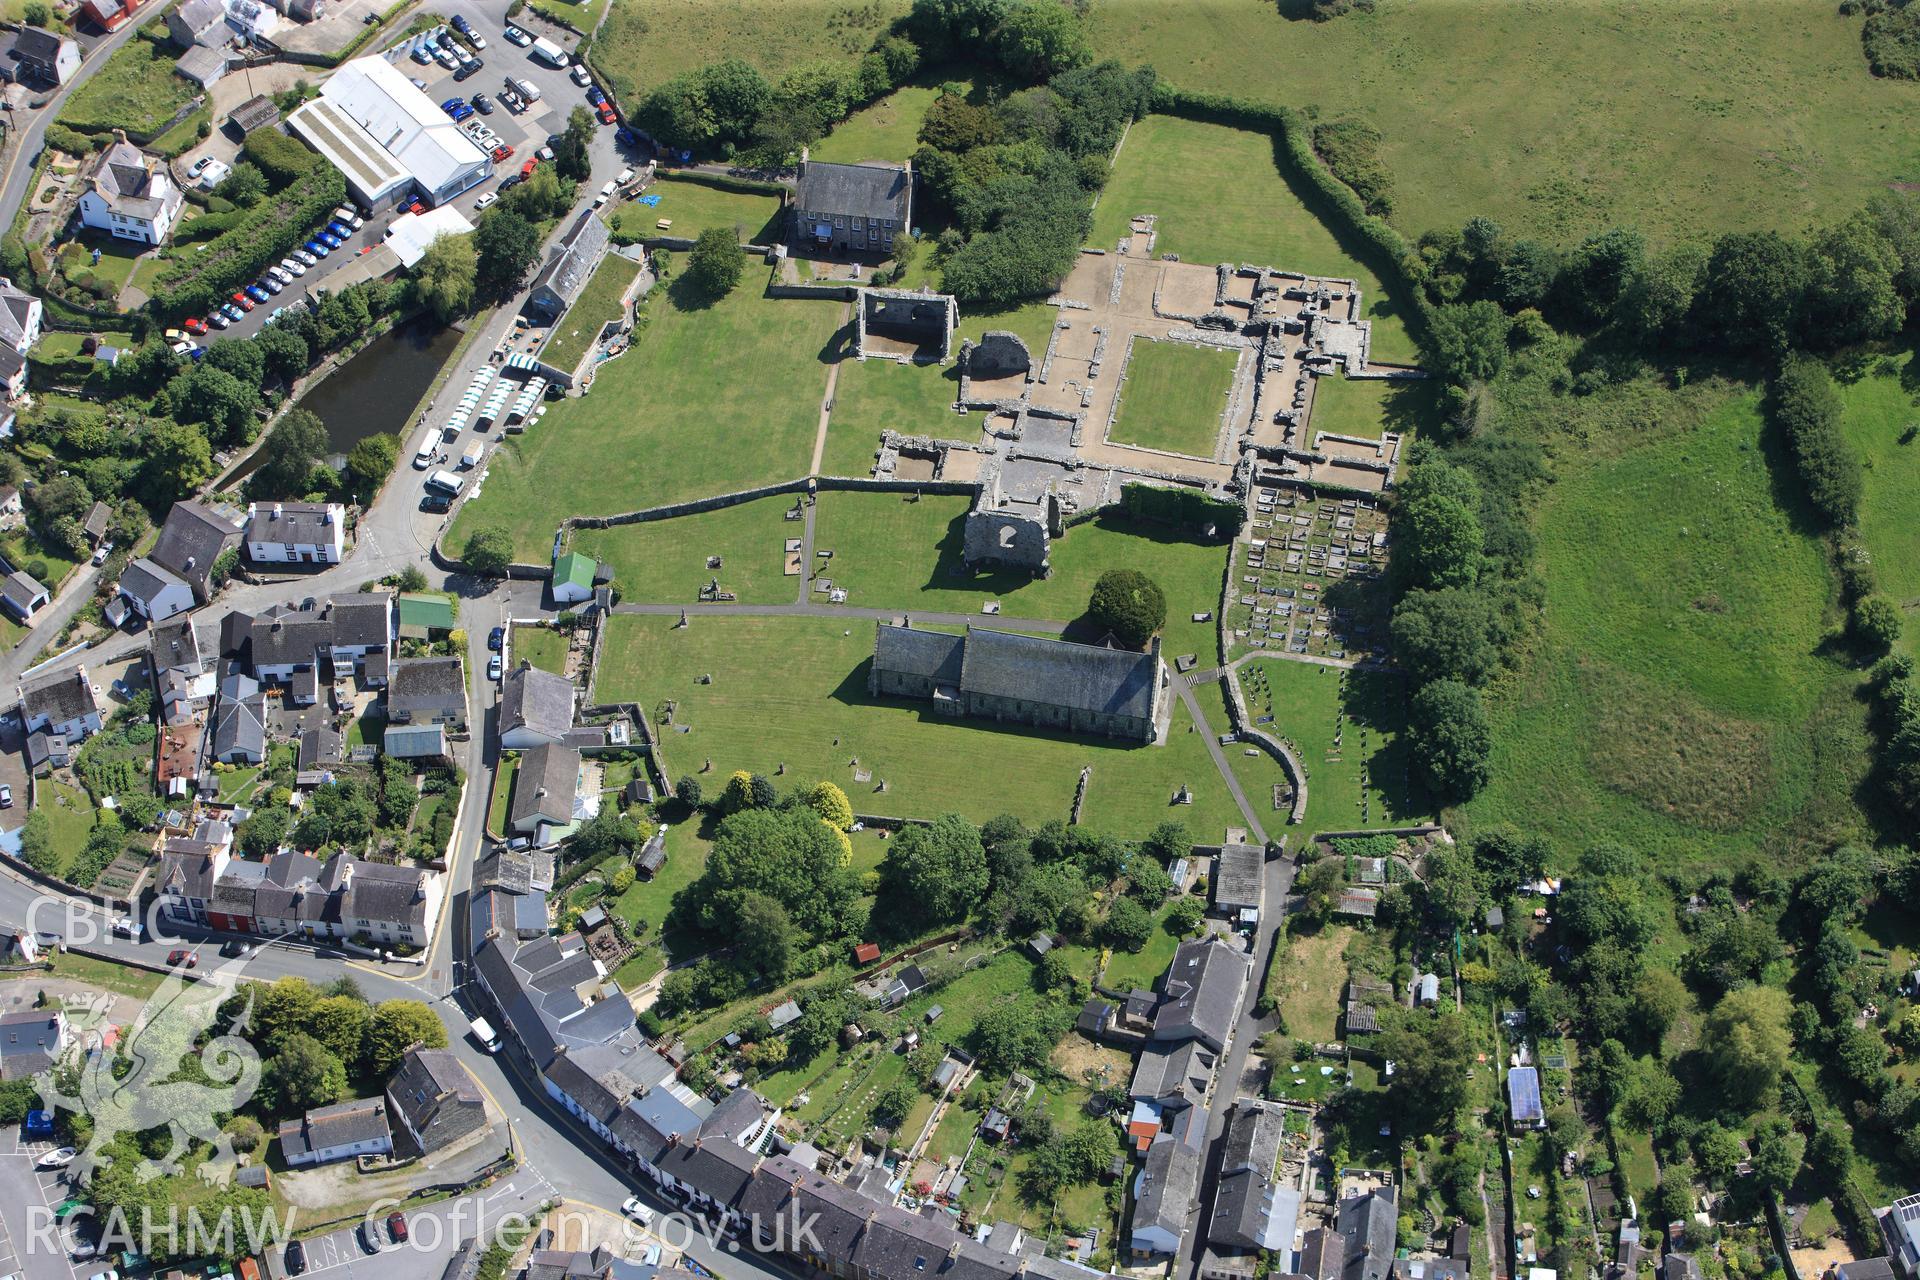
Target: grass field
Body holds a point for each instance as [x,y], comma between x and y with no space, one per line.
[1174,396]
[544,647]
[1672,117]
[597,306]
[665,561]
[886,132]
[1221,198]
[1368,407]
[891,552]
[696,206]
[1312,983]
[793,691]
[871,396]
[1308,705]
[642,45]
[1880,407]
[69,819]
[136,90]
[1677,700]
[741,409]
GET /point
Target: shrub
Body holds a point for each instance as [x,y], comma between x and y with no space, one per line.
[1807,409]
[1891,41]
[1352,150]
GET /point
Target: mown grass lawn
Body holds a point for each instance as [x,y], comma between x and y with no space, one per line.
[136,90]
[1145,967]
[694,206]
[1879,410]
[1678,700]
[1368,407]
[665,561]
[793,691]
[497,805]
[650,900]
[711,398]
[597,306]
[69,819]
[1221,198]
[872,396]
[887,132]
[1312,982]
[1663,116]
[1174,397]
[544,647]
[1307,703]
[890,551]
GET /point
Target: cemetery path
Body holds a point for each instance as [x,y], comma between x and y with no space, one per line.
[1185,688]
[826,412]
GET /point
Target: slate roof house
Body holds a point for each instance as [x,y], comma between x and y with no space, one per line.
[131,194]
[1200,996]
[153,591]
[435,1101]
[1167,1190]
[61,705]
[347,630]
[1239,882]
[324,1134]
[198,22]
[573,263]
[1251,1212]
[1368,1230]
[21,317]
[44,58]
[296,532]
[1900,1224]
[239,730]
[1050,684]
[191,539]
[545,790]
[31,1040]
[339,899]
[851,208]
[21,595]
[535,707]
[424,691]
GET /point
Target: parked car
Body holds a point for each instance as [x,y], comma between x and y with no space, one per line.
[464,112]
[272,283]
[328,239]
[305,259]
[181,958]
[258,294]
[293,266]
[421,56]
[493,667]
[460,24]
[512,180]
[318,248]
[526,170]
[218,320]
[233,314]
[516,36]
[235,947]
[496,638]
[194,170]
[477,40]
[485,200]
[445,58]
[466,71]
[450,104]
[502,152]
[580,75]
[632,1207]
[606,113]
[100,554]
[244,302]
[594,95]
[128,927]
[483,104]
[397,1226]
[340,229]
[294,1260]
[436,502]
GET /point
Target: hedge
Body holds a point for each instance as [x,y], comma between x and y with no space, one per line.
[725,182]
[268,231]
[1382,247]
[1186,509]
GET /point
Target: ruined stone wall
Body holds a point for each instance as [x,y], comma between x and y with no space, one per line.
[1007,538]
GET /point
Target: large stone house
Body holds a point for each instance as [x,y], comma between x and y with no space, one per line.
[131,195]
[434,1100]
[44,58]
[296,532]
[1048,684]
[851,208]
[21,316]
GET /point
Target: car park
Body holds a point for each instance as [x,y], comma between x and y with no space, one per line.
[258,294]
[397,1226]
[485,200]
[328,239]
[243,302]
[194,324]
[516,36]
[483,104]
[502,152]
[293,266]
[421,56]
[218,319]
[272,284]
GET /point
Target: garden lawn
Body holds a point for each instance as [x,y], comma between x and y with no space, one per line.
[892,552]
[642,45]
[1175,396]
[1667,116]
[136,90]
[649,900]
[1879,409]
[1143,968]
[107,975]
[1677,699]
[583,15]
[502,794]
[1221,198]
[544,647]
[665,561]
[25,549]
[888,132]
[695,206]
[117,258]
[793,691]
[597,306]
[712,398]
[1306,702]
[1311,981]
[1369,407]
[871,396]
[69,820]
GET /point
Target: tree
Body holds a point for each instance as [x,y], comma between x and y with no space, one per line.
[1807,408]
[1851,292]
[340,1023]
[1659,998]
[36,843]
[297,441]
[1745,1042]
[489,551]
[1070,1160]
[830,802]
[891,1107]
[1185,916]
[245,184]
[445,276]
[36,14]
[1037,41]
[1320,887]
[1876,623]
[1147,880]
[505,245]
[1447,635]
[285,354]
[1752,292]
[243,359]
[570,156]
[303,1075]
[1454,887]
[1599,272]
[1777,1151]
[1010,1036]
[787,854]
[369,463]
[1432,1058]
[261,834]
[687,791]
[738,793]
[281,1009]
[1127,926]
[1449,739]
[1439,542]
[935,873]
[209,394]
[1469,341]
[1167,841]
[765,938]
[716,262]
[397,1026]
[178,462]
[1129,604]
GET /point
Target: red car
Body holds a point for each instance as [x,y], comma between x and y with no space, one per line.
[397,1227]
[526,170]
[194,324]
[501,152]
[181,957]
[606,113]
[243,302]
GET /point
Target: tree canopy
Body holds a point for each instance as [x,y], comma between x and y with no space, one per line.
[1129,604]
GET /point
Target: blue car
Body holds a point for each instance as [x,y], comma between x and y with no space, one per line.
[258,294]
[461,25]
[328,239]
[595,96]
[340,229]
[421,56]
[461,112]
[450,104]
[233,313]
[316,248]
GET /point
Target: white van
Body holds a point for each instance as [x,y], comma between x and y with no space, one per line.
[483,1032]
[606,194]
[424,459]
[525,88]
[471,458]
[446,482]
[547,51]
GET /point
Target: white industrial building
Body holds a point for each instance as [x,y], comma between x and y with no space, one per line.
[411,233]
[388,138]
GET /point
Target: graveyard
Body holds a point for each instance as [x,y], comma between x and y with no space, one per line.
[1308,577]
